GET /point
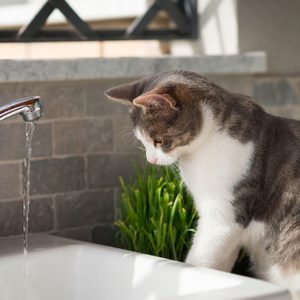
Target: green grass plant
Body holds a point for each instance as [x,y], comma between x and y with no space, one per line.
[156,214]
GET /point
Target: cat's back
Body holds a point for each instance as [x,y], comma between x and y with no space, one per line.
[281,136]
[291,125]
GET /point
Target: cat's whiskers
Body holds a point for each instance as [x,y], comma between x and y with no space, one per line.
[179,164]
[125,139]
[141,148]
[120,131]
[174,169]
[124,135]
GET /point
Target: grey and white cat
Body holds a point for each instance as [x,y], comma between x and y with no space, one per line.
[241,164]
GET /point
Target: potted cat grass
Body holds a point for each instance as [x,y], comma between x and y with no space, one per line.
[156,214]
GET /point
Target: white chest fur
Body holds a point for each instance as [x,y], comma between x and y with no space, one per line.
[212,171]
[217,163]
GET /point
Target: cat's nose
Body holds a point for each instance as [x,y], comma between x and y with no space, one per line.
[153,161]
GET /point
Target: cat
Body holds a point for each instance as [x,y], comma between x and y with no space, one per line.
[241,164]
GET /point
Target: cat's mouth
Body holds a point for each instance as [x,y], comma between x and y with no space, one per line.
[160,159]
[153,161]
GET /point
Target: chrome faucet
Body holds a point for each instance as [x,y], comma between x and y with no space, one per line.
[30,108]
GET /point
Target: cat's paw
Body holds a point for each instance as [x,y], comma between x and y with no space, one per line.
[193,259]
[209,262]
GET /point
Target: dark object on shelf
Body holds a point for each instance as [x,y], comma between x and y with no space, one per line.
[182,12]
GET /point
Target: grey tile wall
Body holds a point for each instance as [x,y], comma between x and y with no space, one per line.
[10,180]
[77,158]
[82,145]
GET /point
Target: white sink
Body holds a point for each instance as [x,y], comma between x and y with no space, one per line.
[62,269]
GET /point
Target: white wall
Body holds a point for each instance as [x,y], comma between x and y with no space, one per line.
[236,26]
[272,26]
[218,30]
[218,23]
[9,2]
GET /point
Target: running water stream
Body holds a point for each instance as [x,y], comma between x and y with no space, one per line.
[29,129]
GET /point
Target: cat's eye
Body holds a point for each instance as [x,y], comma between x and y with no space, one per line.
[157,143]
[167,144]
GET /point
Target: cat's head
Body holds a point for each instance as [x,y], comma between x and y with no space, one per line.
[166,113]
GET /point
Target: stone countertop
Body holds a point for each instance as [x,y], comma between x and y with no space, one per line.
[106,68]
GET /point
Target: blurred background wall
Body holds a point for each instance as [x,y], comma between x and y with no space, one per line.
[226,27]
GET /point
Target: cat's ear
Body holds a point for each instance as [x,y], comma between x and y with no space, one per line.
[155,101]
[124,93]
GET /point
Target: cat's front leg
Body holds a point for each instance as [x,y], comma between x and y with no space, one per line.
[215,245]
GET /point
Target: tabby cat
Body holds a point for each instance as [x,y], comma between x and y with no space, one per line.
[241,164]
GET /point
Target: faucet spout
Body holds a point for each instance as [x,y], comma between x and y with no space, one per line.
[30,108]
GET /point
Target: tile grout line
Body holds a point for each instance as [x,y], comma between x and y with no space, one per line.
[54,212]
[86,180]
[52,139]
